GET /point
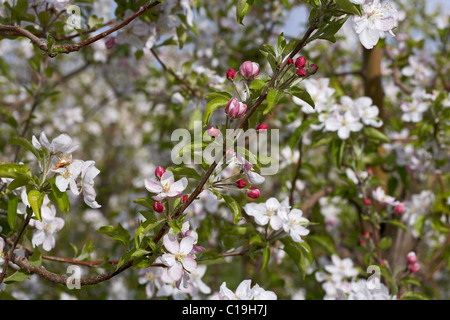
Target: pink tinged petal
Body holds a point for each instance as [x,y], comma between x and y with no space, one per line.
[186,245]
[255,178]
[44,141]
[243,290]
[38,238]
[152,186]
[35,143]
[49,242]
[176,271]
[189,263]
[171,243]
[369,38]
[62,143]
[62,183]
[253,209]
[58,224]
[159,197]
[262,220]
[167,178]
[168,259]
[343,133]
[276,223]
[179,186]
[272,203]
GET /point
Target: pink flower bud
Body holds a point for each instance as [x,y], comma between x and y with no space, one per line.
[241,183]
[291,61]
[253,192]
[249,70]
[367,201]
[362,242]
[300,63]
[235,109]
[400,208]
[411,258]
[370,171]
[110,42]
[159,172]
[262,127]
[158,206]
[301,72]
[313,68]
[184,199]
[415,267]
[213,132]
[366,234]
[231,74]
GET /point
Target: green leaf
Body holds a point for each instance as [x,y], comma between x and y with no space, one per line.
[329,31]
[300,254]
[59,198]
[17,276]
[266,257]
[410,295]
[18,182]
[337,152]
[243,7]
[12,210]
[234,207]
[36,258]
[212,106]
[324,242]
[14,171]
[139,253]
[375,134]
[144,229]
[144,202]
[281,43]
[20,141]
[397,224]
[35,199]
[88,248]
[272,98]
[224,95]
[349,7]
[302,94]
[117,233]
[385,243]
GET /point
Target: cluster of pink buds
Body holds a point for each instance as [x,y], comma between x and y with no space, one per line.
[300,64]
[411,258]
[252,192]
[365,236]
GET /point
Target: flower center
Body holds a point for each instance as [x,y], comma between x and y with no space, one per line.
[180,257]
[166,187]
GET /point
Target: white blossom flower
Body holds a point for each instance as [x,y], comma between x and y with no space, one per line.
[380,195]
[343,124]
[178,256]
[46,228]
[68,176]
[245,292]
[166,187]
[341,268]
[265,213]
[361,291]
[294,224]
[376,21]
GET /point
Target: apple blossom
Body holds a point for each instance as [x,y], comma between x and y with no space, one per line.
[294,224]
[411,257]
[45,229]
[166,187]
[265,213]
[158,207]
[178,256]
[375,22]
[159,171]
[231,74]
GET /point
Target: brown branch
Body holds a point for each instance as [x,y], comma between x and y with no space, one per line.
[68,48]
